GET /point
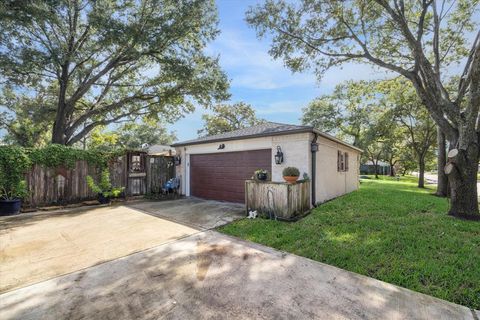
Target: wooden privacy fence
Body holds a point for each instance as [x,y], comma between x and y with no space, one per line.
[137,172]
[278,200]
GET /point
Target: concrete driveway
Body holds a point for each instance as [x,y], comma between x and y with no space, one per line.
[37,247]
[213,276]
[204,275]
[197,213]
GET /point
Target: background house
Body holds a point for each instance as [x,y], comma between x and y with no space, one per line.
[216,167]
[369,168]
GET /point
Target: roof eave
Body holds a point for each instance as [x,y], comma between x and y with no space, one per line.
[251,136]
[332,138]
[281,133]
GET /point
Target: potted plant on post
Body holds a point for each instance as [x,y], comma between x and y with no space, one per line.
[104,189]
[261,174]
[14,162]
[291,174]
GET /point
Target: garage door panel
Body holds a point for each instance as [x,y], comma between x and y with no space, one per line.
[222,176]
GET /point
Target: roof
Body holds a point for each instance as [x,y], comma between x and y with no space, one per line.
[161,150]
[264,129]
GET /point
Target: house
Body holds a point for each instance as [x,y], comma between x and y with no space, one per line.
[369,168]
[216,167]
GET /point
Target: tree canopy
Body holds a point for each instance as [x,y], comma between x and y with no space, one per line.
[132,136]
[228,117]
[108,61]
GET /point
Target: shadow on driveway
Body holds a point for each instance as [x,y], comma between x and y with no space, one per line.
[213,276]
[193,212]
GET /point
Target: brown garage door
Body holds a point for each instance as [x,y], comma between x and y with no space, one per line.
[221,176]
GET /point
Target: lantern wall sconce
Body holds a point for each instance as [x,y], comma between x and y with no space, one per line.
[279,156]
[221,147]
[177,160]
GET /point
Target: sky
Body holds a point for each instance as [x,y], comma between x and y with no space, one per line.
[273,91]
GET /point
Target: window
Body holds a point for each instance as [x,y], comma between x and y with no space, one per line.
[136,164]
[342,161]
[339,161]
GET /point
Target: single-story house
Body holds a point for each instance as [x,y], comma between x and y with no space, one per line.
[216,167]
[369,168]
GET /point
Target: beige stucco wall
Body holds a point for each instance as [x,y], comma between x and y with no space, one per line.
[296,153]
[331,183]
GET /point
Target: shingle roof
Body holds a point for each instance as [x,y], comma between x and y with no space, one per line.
[260,130]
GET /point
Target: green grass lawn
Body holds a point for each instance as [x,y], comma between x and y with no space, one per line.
[387,230]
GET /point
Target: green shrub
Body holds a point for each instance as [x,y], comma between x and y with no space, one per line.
[14,162]
[56,155]
[291,172]
[104,186]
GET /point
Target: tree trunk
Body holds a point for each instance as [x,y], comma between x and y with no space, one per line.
[376,170]
[392,170]
[58,134]
[442,180]
[59,126]
[421,172]
[463,184]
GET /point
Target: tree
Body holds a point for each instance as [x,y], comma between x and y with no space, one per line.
[442,179]
[131,136]
[419,129]
[415,39]
[346,112]
[110,60]
[227,117]
[26,121]
[354,112]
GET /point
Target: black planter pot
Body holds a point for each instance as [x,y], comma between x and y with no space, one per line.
[102,199]
[10,207]
[262,176]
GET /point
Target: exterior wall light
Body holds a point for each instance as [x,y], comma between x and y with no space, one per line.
[279,156]
[177,160]
[221,147]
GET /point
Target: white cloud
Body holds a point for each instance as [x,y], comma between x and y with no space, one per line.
[290,106]
[250,65]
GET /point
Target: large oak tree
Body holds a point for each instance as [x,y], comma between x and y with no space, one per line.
[110,60]
[228,117]
[418,40]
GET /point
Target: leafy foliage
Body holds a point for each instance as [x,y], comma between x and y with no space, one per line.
[104,186]
[131,136]
[227,118]
[14,162]
[385,118]
[27,121]
[92,63]
[291,172]
[347,112]
[55,155]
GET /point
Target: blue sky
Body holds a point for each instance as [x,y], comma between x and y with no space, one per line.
[274,92]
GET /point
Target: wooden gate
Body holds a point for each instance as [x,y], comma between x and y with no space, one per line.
[136,173]
[160,169]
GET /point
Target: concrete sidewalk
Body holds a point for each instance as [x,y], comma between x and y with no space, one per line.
[214,276]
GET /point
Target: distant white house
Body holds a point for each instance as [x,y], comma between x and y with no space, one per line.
[369,168]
